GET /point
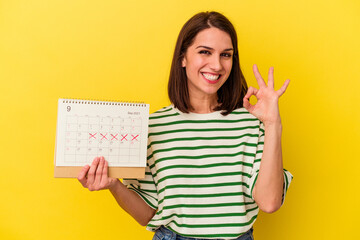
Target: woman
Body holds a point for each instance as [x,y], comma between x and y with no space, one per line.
[203,178]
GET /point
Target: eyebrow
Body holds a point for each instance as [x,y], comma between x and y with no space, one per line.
[228,49]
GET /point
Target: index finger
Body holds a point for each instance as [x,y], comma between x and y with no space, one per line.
[258,77]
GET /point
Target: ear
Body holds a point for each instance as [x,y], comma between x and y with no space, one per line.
[183,63]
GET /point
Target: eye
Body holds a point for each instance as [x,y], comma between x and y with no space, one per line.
[228,55]
[204,52]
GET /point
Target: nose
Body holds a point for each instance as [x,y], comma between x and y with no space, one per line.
[215,63]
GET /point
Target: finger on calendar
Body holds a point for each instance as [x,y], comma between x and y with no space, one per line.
[100,165]
[82,175]
[91,173]
[99,171]
[105,170]
[104,176]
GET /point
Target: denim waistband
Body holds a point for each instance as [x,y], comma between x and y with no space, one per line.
[164,233]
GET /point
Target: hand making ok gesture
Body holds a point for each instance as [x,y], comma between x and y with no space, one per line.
[266,109]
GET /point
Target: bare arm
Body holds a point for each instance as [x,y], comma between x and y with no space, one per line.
[268,188]
[95,177]
[132,203]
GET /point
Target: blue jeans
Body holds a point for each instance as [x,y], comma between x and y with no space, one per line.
[165,234]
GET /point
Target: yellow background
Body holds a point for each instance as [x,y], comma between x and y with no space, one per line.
[122,50]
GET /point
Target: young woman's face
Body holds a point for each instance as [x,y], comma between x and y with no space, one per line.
[208,62]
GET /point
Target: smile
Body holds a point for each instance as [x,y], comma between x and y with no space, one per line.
[211,78]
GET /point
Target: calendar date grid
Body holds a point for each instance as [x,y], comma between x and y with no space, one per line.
[116,138]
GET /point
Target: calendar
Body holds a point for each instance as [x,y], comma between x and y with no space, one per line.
[87,129]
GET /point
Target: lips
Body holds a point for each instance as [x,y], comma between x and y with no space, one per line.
[211,78]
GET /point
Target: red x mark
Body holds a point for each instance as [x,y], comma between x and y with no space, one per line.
[113,137]
[103,136]
[134,138]
[92,135]
[124,137]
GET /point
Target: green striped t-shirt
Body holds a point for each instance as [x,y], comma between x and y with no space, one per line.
[201,170]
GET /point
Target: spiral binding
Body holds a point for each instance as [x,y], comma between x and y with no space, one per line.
[104,102]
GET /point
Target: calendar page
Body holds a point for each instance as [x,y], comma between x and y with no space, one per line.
[86,129]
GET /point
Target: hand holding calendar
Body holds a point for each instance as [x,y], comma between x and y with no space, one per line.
[87,129]
[95,177]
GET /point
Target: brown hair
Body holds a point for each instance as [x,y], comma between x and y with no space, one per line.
[232,92]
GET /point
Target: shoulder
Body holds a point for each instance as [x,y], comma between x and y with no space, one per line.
[162,110]
[241,113]
[164,114]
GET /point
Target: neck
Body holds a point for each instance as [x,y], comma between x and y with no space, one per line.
[204,104]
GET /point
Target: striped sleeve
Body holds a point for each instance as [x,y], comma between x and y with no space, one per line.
[258,155]
[256,166]
[145,188]
[287,180]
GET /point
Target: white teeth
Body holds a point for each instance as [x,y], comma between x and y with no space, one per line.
[210,76]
